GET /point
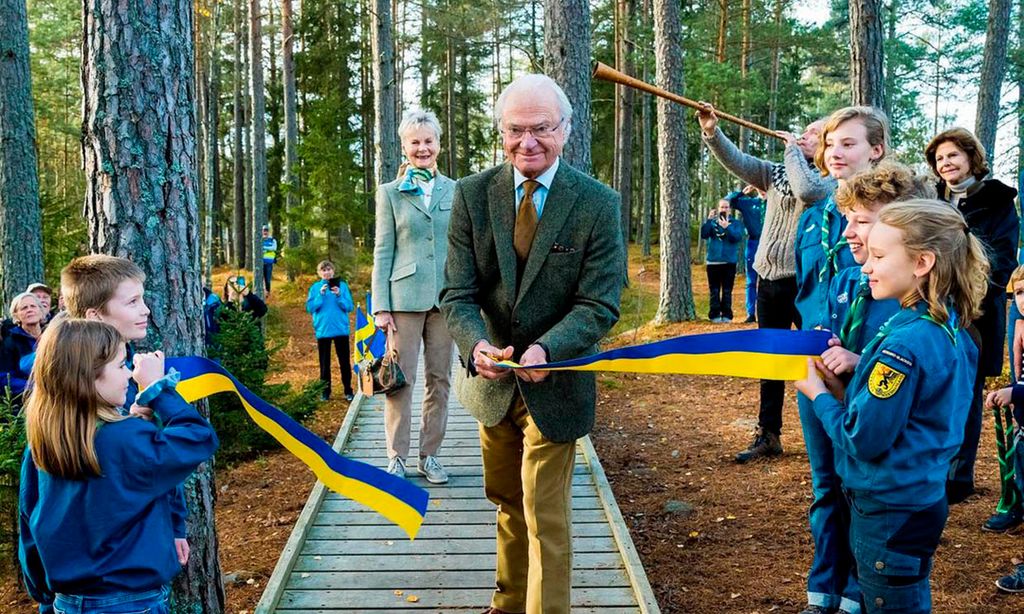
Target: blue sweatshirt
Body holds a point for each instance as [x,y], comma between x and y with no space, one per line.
[902,420]
[752,209]
[723,243]
[330,312]
[811,261]
[112,533]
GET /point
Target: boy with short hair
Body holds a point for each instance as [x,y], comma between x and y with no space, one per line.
[110,289]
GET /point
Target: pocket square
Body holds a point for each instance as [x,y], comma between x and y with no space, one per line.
[558,248]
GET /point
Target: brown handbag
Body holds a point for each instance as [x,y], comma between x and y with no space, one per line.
[383,375]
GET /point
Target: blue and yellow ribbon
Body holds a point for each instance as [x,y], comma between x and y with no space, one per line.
[398,500]
[760,354]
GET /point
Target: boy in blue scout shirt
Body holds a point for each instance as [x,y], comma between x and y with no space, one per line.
[898,423]
[854,319]
[723,236]
[751,205]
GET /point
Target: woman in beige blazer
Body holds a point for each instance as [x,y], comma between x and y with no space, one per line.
[408,272]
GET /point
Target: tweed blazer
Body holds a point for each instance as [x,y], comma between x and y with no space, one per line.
[410,247]
[567,299]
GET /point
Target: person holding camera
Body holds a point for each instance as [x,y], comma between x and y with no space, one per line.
[723,235]
[330,302]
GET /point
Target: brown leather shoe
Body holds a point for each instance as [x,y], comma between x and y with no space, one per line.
[493,610]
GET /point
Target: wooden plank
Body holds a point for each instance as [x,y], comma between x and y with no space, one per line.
[411,579]
[452,505]
[437,532]
[479,545]
[271,594]
[466,562]
[436,598]
[634,567]
[325,518]
[434,610]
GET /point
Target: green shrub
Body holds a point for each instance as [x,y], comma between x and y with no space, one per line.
[240,347]
[12,448]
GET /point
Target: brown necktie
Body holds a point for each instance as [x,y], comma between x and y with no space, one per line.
[526,221]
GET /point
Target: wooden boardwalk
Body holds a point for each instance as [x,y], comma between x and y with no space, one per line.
[341,557]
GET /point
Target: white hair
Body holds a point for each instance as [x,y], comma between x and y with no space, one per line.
[16,303]
[531,83]
[417,119]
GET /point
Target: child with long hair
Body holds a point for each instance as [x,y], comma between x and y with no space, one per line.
[898,423]
[96,527]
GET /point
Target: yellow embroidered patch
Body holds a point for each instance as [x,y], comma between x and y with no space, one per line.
[884,381]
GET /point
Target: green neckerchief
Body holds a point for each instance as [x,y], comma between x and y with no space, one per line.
[830,263]
[849,334]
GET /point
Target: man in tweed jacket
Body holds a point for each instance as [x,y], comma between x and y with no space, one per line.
[534,274]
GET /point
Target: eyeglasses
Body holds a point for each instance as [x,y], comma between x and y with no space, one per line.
[539,131]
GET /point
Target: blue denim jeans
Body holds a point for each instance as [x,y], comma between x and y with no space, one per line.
[894,546]
[831,581]
[146,602]
[751,277]
[268,272]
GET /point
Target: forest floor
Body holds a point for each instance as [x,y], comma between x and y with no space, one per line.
[713,536]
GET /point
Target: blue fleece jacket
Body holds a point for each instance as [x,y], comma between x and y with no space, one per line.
[330,311]
[722,243]
[112,533]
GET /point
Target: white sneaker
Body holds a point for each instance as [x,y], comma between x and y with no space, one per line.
[430,468]
[396,466]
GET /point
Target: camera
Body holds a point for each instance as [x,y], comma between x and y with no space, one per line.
[334,282]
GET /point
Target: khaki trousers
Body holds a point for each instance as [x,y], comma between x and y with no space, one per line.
[529,478]
[411,327]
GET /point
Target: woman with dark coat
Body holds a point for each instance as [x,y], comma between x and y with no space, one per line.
[20,343]
[958,159]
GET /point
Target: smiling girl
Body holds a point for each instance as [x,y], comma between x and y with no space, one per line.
[958,160]
[96,512]
[898,423]
[854,139]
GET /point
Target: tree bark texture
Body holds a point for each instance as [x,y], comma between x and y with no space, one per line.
[867,80]
[624,117]
[238,211]
[139,148]
[675,303]
[993,66]
[291,126]
[258,146]
[21,232]
[567,61]
[385,123]
[211,131]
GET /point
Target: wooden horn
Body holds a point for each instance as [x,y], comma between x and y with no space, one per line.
[606,73]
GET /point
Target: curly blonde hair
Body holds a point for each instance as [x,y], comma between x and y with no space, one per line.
[885,183]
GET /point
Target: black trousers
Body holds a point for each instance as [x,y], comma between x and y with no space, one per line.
[721,278]
[776,308]
[323,348]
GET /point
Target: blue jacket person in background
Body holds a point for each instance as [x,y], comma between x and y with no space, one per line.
[96,521]
[898,423]
[330,302]
[751,205]
[269,248]
[723,233]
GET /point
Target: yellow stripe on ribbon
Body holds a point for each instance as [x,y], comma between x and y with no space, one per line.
[759,354]
[398,500]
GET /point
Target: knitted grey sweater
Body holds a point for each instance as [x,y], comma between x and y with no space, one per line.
[790,187]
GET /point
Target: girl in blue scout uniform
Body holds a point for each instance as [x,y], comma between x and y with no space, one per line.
[899,421]
[854,139]
[96,519]
[855,318]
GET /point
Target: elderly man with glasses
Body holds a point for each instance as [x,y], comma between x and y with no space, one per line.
[534,275]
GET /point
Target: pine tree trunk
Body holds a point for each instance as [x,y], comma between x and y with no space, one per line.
[624,117]
[449,104]
[891,40]
[723,30]
[385,124]
[21,233]
[1019,61]
[867,79]
[744,141]
[240,238]
[212,161]
[773,77]
[139,148]
[247,59]
[993,66]
[567,61]
[291,127]
[258,145]
[646,165]
[676,295]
